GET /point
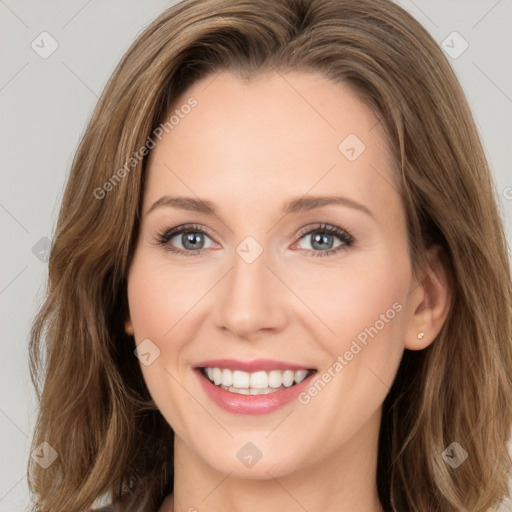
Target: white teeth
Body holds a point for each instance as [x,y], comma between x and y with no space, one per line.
[256,383]
[227,377]
[259,380]
[275,378]
[251,391]
[288,377]
[217,376]
[240,379]
[300,375]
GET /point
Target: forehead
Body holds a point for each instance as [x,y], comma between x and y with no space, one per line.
[273,136]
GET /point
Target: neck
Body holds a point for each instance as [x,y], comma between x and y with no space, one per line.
[344,482]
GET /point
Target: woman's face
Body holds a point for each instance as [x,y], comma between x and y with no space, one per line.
[292,261]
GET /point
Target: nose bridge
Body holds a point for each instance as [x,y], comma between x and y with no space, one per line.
[250,300]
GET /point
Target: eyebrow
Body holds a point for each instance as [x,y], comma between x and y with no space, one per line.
[300,204]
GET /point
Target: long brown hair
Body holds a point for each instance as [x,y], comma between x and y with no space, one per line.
[94,408]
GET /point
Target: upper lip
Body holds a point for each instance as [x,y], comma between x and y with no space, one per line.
[251,366]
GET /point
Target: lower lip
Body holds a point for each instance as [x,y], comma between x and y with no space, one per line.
[251,404]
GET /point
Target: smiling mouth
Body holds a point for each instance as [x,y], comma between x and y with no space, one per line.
[254,383]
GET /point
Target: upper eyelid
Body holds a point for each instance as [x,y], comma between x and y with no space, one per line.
[178,230]
[332,228]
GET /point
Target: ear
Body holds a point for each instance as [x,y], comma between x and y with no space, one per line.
[430,300]
[128,326]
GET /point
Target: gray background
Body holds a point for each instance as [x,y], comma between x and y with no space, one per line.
[46,103]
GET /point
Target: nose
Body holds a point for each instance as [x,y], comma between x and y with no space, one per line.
[251,300]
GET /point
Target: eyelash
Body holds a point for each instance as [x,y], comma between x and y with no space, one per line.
[348,240]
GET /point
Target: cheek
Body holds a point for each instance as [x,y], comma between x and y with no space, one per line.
[368,315]
[163,302]
[155,310]
[365,310]
[357,302]
[157,303]
[159,296]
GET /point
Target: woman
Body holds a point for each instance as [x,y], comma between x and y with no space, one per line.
[199,355]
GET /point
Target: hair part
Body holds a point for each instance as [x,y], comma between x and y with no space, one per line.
[94,407]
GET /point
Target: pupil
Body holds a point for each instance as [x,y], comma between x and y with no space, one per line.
[321,239]
[192,240]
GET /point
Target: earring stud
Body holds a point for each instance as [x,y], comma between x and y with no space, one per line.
[420,335]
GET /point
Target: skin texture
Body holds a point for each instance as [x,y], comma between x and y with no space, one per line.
[250,147]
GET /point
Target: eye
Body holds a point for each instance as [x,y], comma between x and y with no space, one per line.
[190,240]
[322,239]
[187,240]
